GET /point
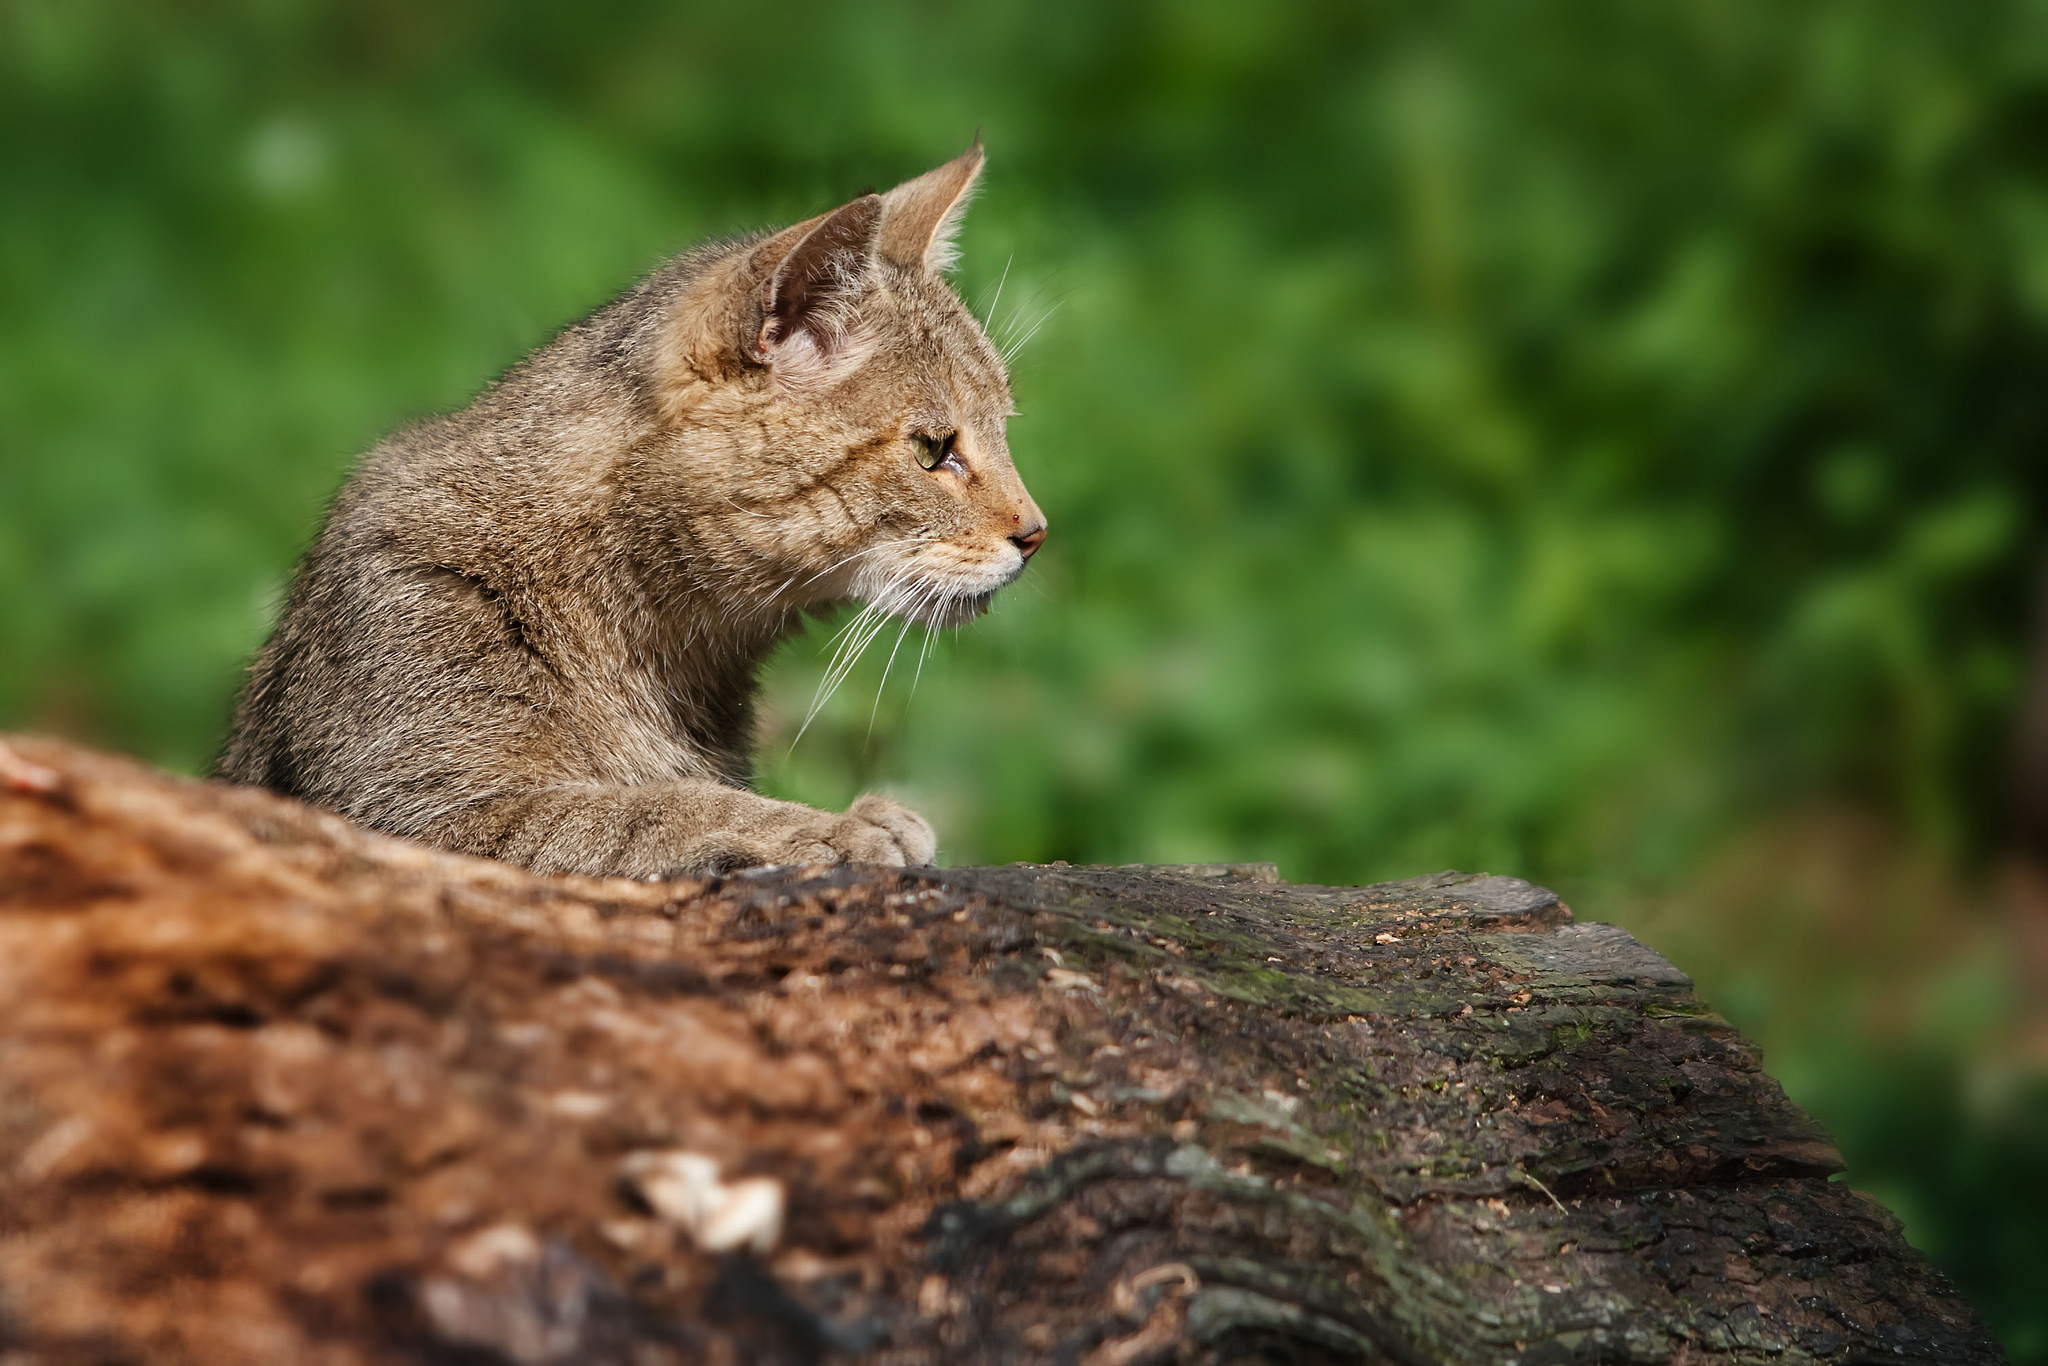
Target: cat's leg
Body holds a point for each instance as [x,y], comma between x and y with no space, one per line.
[690,826]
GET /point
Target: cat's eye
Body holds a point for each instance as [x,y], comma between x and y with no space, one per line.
[933,451]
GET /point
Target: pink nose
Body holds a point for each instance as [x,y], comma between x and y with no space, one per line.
[1030,540]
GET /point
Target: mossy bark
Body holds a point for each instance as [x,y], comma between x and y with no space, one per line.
[275,1089]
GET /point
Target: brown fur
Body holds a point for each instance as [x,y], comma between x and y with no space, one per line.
[531,629]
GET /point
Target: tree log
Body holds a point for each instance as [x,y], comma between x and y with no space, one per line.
[276,1089]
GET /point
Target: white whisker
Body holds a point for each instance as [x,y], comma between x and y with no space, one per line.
[1010,352]
[869,550]
[934,603]
[900,591]
[883,685]
[1012,323]
[989,317]
[859,634]
[924,653]
[850,623]
[847,635]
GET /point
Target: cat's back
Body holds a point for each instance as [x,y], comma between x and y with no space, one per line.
[419,595]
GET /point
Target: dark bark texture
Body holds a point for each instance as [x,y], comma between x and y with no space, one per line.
[273,1089]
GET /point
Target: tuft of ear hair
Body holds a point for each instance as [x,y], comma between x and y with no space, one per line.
[810,333]
[921,216]
[810,326]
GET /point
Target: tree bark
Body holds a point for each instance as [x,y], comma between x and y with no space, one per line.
[275,1089]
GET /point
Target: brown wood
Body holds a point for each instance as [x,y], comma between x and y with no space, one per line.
[273,1089]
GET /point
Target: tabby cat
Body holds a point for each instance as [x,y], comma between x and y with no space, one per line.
[531,629]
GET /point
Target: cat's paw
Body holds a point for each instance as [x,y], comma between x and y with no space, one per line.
[874,829]
[913,834]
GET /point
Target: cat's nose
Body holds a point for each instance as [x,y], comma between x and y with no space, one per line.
[1029,541]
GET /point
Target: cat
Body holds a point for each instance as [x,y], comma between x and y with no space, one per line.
[531,630]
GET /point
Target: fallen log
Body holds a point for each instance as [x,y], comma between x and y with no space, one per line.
[276,1089]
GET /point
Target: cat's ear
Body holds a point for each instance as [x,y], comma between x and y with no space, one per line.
[809,305]
[919,217]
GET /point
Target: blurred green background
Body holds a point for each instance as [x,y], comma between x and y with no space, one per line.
[1600,442]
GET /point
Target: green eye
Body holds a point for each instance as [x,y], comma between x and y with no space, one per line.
[933,451]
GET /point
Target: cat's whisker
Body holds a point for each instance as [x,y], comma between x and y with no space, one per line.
[837,563]
[934,615]
[989,316]
[879,625]
[840,641]
[858,635]
[877,619]
[881,687]
[1010,353]
[850,623]
[827,681]
[1011,324]
[850,558]
[925,539]
[920,611]
[1026,318]
[924,653]
[848,650]
[877,600]
[835,673]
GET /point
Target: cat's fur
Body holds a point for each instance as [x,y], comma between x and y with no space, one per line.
[531,629]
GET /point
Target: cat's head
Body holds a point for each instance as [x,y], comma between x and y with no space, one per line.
[843,414]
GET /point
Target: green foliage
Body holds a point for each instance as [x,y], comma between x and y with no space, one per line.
[1537,438]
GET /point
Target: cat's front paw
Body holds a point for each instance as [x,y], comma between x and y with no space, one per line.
[874,829]
[911,833]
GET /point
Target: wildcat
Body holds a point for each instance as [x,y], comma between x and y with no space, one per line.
[531,629]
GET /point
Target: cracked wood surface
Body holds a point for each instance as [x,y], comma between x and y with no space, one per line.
[275,1089]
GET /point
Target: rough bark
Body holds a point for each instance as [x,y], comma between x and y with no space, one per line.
[275,1089]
